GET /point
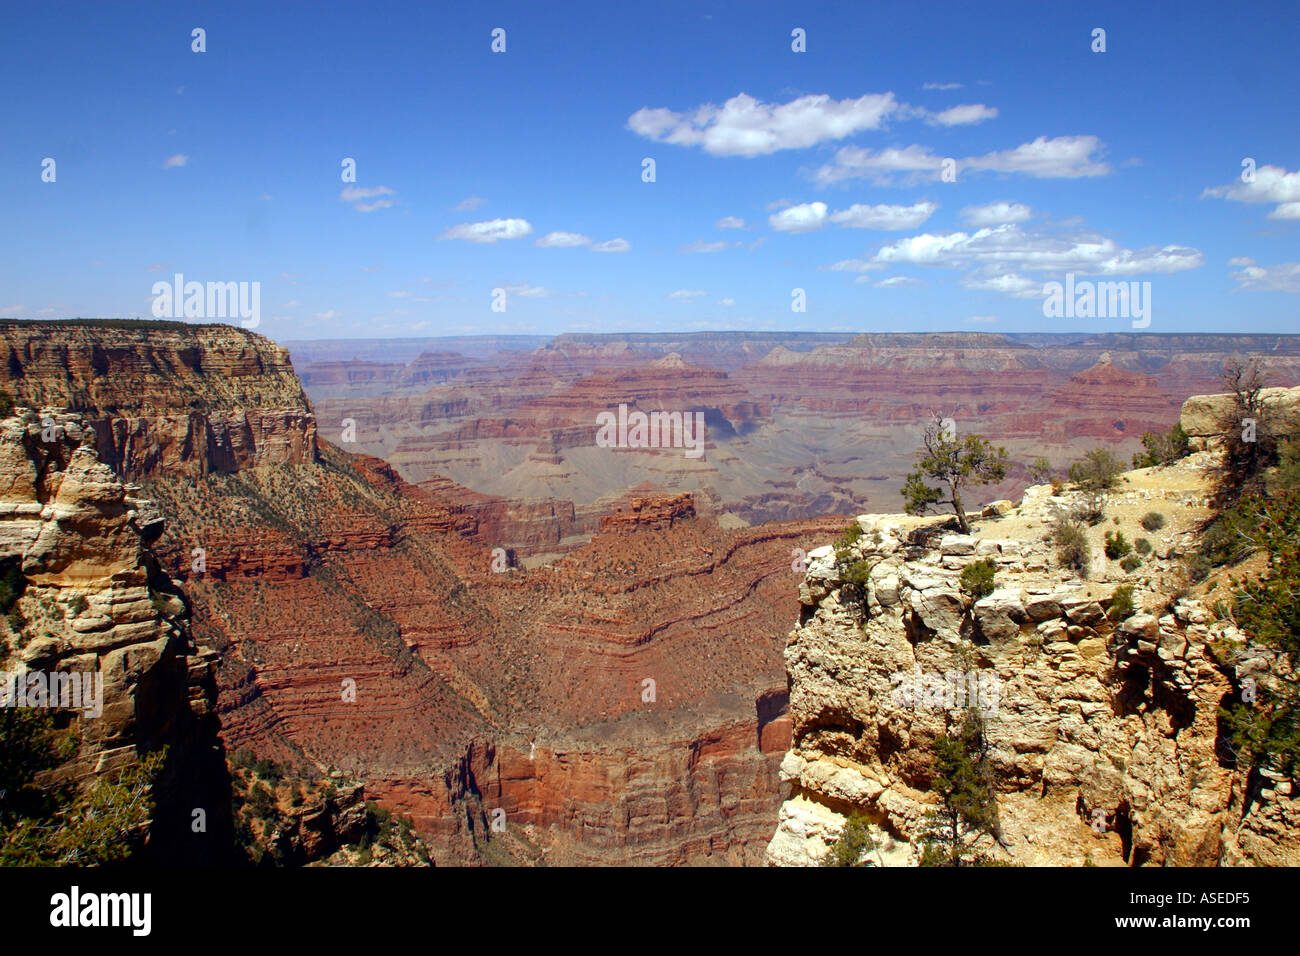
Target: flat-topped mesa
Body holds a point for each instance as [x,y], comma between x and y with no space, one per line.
[164,398]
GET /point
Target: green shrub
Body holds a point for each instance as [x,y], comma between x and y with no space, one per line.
[1163,449]
[1121,603]
[1041,472]
[1098,470]
[1071,540]
[1131,563]
[1117,545]
[78,605]
[977,578]
[1142,546]
[1153,521]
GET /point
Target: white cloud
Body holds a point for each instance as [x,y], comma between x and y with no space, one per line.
[1009,283]
[965,115]
[612,245]
[356,195]
[353,193]
[1065,157]
[685,295]
[853,265]
[562,240]
[492,230]
[896,282]
[983,319]
[330,314]
[1008,248]
[729,222]
[802,218]
[745,126]
[1241,261]
[941,86]
[175,162]
[728,301]
[469,204]
[527,291]
[778,204]
[853,162]
[1273,184]
[1283,277]
[996,213]
[885,217]
[699,245]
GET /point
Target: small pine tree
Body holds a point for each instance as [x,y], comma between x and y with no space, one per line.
[854,845]
[968,809]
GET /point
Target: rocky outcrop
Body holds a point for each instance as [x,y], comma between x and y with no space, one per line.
[1207,418]
[1104,734]
[87,597]
[164,398]
[650,512]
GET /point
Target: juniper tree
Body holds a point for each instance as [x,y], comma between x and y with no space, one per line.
[954,463]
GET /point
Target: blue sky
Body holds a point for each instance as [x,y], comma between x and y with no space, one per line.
[775,170]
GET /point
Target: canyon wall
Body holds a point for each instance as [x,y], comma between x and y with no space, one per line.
[85,595]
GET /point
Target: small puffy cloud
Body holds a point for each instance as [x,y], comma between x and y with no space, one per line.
[358,194]
[996,213]
[1009,283]
[1283,277]
[728,301]
[562,240]
[176,161]
[885,217]
[469,204]
[966,115]
[853,265]
[612,245]
[685,295]
[1241,261]
[1272,184]
[330,314]
[941,86]
[493,230]
[802,218]
[745,126]
[896,282]
[699,245]
[778,204]
[729,222]
[983,319]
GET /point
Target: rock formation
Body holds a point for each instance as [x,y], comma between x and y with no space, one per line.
[1104,735]
[91,599]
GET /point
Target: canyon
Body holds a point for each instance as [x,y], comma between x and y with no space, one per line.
[541,651]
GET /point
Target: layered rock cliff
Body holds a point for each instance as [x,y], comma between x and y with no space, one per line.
[164,398]
[1104,736]
[86,596]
